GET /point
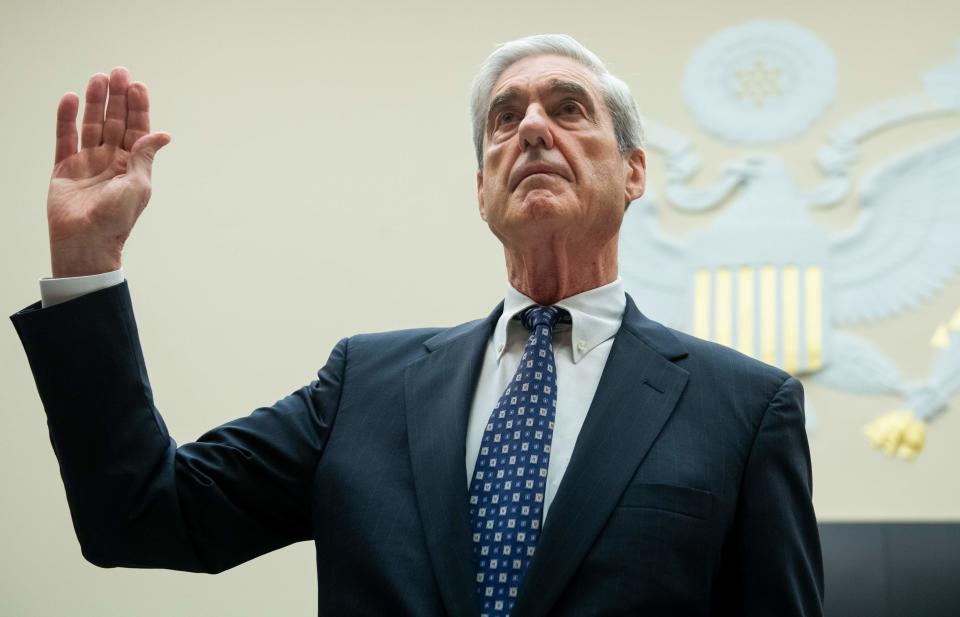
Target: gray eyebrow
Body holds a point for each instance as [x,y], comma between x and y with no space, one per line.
[561,86]
[569,87]
[503,99]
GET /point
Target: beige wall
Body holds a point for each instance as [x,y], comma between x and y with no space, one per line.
[321,179]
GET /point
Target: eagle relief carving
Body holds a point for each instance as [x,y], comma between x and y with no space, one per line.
[763,277]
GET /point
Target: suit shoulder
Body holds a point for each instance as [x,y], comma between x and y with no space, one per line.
[733,384]
[391,345]
[408,343]
[395,337]
[729,363]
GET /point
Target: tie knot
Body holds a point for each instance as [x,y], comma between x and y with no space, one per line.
[541,315]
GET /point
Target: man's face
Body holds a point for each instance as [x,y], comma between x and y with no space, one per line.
[552,168]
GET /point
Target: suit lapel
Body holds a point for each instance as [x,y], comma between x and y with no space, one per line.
[439,393]
[638,390]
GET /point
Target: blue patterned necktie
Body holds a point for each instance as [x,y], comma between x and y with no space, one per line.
[510,477]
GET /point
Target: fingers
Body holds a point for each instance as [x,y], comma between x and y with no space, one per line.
[67,126]
[138,114]
[115,121]
[96,101]
[143,151]
[117,112]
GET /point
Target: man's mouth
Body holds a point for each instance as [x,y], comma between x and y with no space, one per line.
[537,169]
[539,173]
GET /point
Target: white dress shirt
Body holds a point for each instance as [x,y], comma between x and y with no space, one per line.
[580,351]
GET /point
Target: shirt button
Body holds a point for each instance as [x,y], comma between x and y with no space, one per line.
[499,347]
[581,345]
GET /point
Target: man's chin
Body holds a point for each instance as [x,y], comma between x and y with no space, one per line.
[540,202]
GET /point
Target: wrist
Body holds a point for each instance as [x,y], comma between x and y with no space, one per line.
[84,255]
[65,263]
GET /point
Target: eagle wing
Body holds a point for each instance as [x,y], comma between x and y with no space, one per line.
[906,242]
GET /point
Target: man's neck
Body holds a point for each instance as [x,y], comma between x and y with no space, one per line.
[549,275]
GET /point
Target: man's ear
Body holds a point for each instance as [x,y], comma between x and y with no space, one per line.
[483,210]
[635,168]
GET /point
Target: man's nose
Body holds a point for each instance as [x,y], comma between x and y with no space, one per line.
[534,130]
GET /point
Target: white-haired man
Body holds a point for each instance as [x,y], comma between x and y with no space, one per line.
[564,455]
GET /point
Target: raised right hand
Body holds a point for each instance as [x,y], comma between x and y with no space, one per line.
[97,193]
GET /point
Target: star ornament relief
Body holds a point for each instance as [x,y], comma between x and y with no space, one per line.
[736,84]
[758,83]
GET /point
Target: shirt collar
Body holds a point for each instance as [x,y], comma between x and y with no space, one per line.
[595,314]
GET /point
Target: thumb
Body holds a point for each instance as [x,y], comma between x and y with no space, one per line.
[143,151]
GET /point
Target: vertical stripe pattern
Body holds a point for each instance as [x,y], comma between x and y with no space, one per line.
[771,312]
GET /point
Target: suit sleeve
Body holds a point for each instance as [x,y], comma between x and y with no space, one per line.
[136,499]
[773,563]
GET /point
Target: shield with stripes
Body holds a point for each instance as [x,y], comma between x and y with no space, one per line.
[763,294]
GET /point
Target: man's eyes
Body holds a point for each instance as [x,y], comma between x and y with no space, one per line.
[509,117]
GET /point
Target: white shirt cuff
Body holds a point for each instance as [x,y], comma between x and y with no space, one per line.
[57,290]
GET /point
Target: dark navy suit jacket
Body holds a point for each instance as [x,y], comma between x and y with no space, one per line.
[688,494]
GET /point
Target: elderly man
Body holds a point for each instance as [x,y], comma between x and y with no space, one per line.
[564,455]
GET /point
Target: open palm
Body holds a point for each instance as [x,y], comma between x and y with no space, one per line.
[97,192]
